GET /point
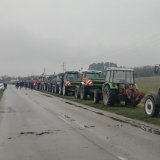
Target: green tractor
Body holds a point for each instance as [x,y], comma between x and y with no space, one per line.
[119,87]
[152,101]
[70,81]
[90,82]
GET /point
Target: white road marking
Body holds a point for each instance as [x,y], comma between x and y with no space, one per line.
[64,120]
[122,158]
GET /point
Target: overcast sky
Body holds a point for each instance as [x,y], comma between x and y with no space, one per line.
[45,33]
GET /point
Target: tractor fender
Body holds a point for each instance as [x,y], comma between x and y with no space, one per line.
[104,85]
[110,85]
[156,98]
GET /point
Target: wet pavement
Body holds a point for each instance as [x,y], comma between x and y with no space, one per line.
[34,126]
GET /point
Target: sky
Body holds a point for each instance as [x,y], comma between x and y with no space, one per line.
[38,34]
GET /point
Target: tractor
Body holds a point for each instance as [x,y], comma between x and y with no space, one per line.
[120,87]
[152,100]
[90,81]
[51,83]
[58,81]
[69,82]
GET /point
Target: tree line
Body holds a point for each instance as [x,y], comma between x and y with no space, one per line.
[144,71]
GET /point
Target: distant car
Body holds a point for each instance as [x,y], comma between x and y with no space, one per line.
[2,87]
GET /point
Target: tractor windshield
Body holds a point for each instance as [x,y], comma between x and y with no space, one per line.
[72,76]
[123,77]
[93,75]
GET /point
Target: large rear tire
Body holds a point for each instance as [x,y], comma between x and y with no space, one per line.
[77,95]
[108,96]
[151,109]
[83,93]
[64,91]
[96,96]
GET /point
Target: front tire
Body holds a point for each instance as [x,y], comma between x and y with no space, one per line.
[151,109]
[108,96]
[60,90]
[96,97]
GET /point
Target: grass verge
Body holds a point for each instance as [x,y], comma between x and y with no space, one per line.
[126,111]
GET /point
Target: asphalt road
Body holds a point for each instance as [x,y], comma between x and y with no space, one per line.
[37,126]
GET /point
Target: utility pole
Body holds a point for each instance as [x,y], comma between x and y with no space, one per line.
[64,67]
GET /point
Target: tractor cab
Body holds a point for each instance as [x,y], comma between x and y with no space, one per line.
[91,74]
[70,80]
[120,75]
[71,76]
[120,86]
[156,68]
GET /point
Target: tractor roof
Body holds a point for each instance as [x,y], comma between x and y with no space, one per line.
[72,72]
[119,69]
[91,71]
[60,74]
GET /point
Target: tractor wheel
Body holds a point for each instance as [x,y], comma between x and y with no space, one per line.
[96,97]
[108,96]
[151,109]
[83,93]
[64,91]
[60,91]
[77,95]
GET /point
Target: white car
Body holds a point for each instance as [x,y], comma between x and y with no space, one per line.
[2,86]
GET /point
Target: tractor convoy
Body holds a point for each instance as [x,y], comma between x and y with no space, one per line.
[114,86]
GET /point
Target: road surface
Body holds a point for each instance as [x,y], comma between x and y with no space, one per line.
[37,126]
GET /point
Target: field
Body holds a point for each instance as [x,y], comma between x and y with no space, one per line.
[146,85]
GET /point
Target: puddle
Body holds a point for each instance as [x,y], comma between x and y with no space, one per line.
[99,113]
[7,109]
[46,95]
[39,133]
[66,116]
[69,103]
[89,126]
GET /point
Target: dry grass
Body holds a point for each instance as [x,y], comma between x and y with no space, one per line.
[148,84]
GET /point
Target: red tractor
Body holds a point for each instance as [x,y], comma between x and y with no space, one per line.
[58,81]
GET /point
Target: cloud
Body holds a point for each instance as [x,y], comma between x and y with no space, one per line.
[35,34]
